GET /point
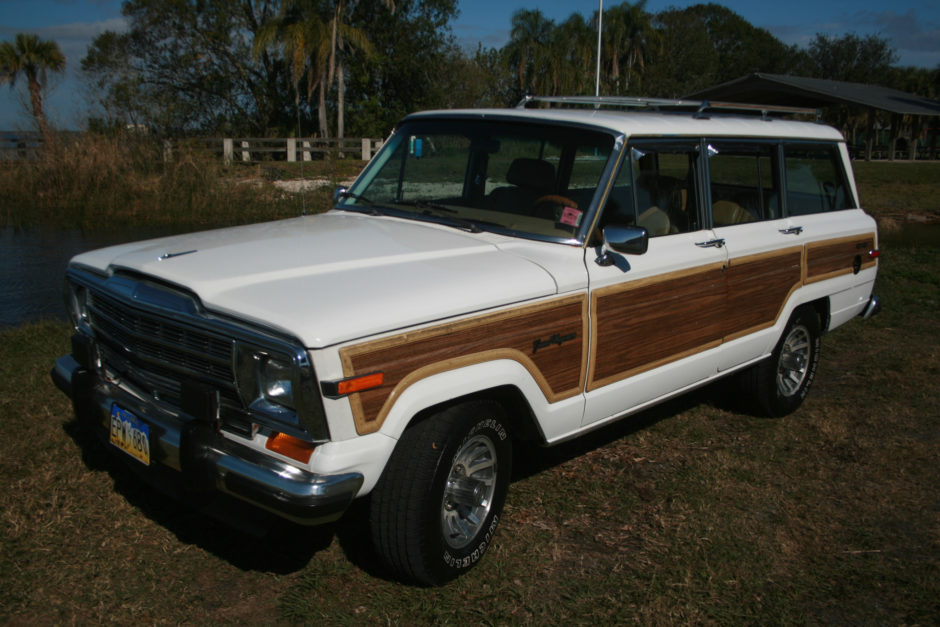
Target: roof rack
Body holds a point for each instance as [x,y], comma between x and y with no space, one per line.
[700,107]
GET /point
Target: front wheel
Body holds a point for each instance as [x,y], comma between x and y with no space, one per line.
[437,505]
[778,385]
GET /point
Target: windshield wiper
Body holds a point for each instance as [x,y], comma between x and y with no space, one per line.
[348,194]
[425,204]
[427,208]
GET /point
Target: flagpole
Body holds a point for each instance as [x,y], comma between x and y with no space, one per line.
[600,28]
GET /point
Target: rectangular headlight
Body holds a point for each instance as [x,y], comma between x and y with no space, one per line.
[277,385]
[279,389]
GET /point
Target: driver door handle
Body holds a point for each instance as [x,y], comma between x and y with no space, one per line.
[793,230]
[712,243]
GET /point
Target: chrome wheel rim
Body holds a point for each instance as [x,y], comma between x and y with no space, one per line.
[468,493]
[793,364]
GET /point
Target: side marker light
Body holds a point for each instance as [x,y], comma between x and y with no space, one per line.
[344,387]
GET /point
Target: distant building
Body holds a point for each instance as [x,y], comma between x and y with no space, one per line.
[897,123]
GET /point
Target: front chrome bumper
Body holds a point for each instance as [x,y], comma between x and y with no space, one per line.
[206,460]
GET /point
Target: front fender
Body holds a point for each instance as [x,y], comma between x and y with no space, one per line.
[552,418]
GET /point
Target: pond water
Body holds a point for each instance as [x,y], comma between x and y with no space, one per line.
[33,261]
[32,269]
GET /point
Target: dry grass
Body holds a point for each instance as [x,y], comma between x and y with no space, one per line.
[899,191]
[95,182]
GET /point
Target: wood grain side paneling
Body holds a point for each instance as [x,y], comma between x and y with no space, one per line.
[548,339]
[832,258]
[643,324]
[758,288]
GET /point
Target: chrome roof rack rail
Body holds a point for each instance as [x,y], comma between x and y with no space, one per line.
[698,107]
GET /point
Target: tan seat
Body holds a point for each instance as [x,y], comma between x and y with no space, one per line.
[655,221]
[726,212]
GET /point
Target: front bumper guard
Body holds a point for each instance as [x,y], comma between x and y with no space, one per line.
[207,460]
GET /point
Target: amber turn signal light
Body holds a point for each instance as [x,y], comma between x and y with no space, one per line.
[344,387]
[289,446]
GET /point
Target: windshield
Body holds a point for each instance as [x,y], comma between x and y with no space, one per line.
[526,179]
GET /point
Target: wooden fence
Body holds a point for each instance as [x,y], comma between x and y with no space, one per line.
[250,150]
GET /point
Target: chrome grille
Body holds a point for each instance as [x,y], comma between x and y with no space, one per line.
[158,353]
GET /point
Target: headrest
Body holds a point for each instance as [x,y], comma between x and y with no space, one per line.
[533,173]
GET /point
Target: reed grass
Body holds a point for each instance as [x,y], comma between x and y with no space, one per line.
[100,182]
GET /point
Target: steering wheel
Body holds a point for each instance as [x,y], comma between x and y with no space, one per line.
[550,206]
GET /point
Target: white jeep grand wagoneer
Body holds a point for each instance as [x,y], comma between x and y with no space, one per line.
[492,275]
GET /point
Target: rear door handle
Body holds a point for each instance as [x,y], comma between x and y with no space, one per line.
[712,243]
[793,230]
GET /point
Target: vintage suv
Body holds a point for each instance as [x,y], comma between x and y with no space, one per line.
[491,276]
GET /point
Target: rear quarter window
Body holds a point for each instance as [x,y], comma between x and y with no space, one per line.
[815,179]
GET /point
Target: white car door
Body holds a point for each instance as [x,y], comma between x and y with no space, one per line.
[656,318]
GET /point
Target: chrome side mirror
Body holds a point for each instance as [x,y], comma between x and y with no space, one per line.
[338,194]
[627,240]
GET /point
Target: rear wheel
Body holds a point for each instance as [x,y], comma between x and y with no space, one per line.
[778,385]
[436,508]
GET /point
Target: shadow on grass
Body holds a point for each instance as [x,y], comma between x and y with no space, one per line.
[247,537]
[530,458]
[254,540]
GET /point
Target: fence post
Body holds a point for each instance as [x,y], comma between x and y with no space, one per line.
[246,155]
[291,149]
[366,149]
[228,150]
[306,150]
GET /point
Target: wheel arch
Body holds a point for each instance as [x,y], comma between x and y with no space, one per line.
[821,307]
[504,381]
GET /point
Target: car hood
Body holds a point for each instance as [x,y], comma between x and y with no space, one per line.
[335,277]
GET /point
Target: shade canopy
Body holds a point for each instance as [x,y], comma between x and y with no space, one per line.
[798,91]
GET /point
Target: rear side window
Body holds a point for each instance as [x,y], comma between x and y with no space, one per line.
[815,179]
[744,182]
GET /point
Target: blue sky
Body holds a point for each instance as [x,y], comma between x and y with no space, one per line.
[912,26]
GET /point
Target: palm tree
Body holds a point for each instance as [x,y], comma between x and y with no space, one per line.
[345,38]
[572,53]
[304,37]
[528,47]
[627,34]
[31,57]
[314,37]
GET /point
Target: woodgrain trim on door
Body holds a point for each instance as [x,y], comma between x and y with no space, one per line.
[759,287]
[832,258]
[640,325]
[548,339]
[648,323]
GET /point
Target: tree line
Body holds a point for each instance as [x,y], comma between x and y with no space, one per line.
[353,67]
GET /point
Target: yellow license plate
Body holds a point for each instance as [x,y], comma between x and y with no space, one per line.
[130,434]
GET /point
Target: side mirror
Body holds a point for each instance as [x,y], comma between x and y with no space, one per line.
[628,240]
[338,194]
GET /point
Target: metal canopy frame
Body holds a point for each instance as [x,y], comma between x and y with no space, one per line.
[699,107]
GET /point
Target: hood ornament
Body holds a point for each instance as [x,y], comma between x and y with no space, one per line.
[171,255]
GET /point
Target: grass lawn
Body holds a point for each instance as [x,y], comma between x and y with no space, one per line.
[688,513]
